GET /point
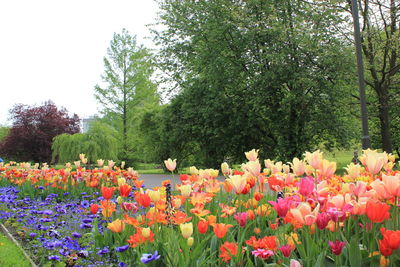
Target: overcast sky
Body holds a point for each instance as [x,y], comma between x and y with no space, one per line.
[54,49]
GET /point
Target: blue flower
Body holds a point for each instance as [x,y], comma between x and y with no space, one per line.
[103,251]
[146,258]
[122,264]
[76,235]
[54,258]
[85,204]
[122,249]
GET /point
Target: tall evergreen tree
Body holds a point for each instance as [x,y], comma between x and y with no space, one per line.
[127,85]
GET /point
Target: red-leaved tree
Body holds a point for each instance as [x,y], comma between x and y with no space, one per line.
[33,130]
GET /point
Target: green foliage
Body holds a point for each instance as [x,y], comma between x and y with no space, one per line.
[128,88]
[3,132]
[253,74]
[100,142]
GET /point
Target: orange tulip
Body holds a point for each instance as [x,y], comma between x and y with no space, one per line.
[228,250]
[220,229]
[303,213]
[107,192]
[202,226]
[377,212]
[107,207]
[116,226]
[124,190]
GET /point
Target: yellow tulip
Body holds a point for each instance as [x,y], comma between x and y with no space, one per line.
[186,229]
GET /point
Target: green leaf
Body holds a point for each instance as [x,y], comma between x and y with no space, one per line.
[320,260]
[354,252]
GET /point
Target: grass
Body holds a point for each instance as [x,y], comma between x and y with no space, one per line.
[341,157]
[10,254]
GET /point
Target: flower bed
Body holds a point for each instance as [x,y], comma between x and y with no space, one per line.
[300,214]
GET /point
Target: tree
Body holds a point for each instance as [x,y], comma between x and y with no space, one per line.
[3,132]
[257,74]
[380,37]
[100,142]
[33,129]
[127,84]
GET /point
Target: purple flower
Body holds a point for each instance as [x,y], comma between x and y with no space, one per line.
[76,235]
[85,204]
[85,226]
[146,258]
[103,251]
[32,235]
[122,249]
[122,264]
[54,258]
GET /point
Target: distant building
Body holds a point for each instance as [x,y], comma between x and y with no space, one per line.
[86,122]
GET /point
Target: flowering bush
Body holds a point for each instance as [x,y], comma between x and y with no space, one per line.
[299,214]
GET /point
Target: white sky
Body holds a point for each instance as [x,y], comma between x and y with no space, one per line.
[54,49]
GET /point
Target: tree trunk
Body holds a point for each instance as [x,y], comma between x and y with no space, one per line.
[385,120]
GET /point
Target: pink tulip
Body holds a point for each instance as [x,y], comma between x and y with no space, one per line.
[323,220]
[241,218]
[282,206]
[306,186]
[336,246]
[286,250]
[294,263]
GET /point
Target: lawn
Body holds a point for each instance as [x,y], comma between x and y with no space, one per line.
[10,254]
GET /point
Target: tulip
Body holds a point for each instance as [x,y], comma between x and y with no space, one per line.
[143,199]
[125,190]
[122,164]
[391,238]
[220,229]
[202,226]
[100,162]
[77,164]
[392,184]
[294,263]
[186,229]
[67,165]
[322,220]
[314,159]
[286,250]
[94,208]
[110,164]
[120,200]
[190,241]
[116,226]
[225,169]
[358,189]
[298,167]
[377,212]
[252,167]
[303,213]
[146,232]
[193,170]
[336,246]
[354,170]
[170,164]
[252,155]
[306,186]
[282,206]
[121,181]
[327,169]
[186,190]
[154,195]
[241,218]
[238,183]
[107,192]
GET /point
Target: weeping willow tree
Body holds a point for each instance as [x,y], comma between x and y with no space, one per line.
[101,141]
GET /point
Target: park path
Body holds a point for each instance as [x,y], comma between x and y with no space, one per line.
[152,180]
